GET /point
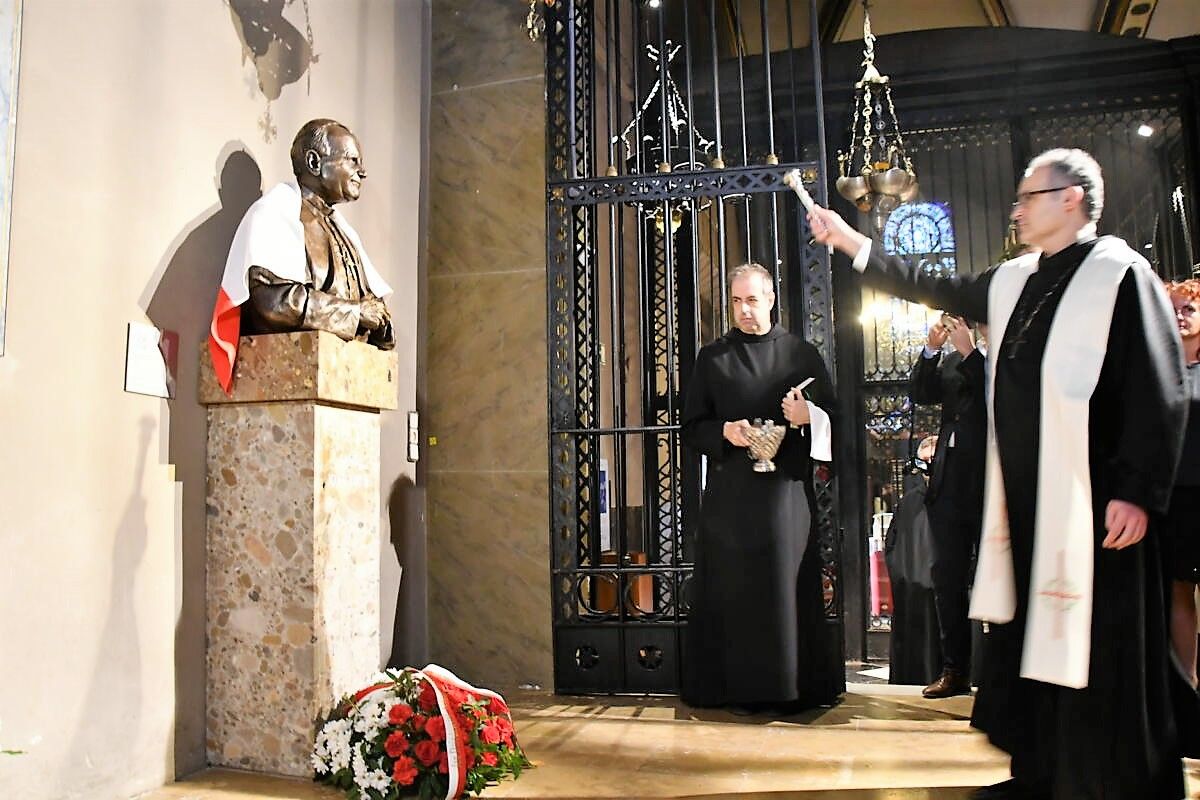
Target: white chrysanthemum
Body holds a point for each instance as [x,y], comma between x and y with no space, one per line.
[372,715]
[366,778]
[332,748]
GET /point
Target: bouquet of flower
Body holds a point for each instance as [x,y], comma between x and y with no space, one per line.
[417,733]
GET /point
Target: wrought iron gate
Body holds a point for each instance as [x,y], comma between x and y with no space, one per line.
[637,254]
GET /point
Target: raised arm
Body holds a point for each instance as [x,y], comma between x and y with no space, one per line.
[963,295]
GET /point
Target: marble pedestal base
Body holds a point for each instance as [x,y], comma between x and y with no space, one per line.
[293,545]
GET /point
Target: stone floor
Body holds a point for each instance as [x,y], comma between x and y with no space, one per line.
[881,743]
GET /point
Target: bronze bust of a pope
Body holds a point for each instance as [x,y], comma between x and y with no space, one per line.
[296,263]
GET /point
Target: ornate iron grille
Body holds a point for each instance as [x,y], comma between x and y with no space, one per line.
[1141,152]
[637,256]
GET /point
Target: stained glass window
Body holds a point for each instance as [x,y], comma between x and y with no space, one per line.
[924,231]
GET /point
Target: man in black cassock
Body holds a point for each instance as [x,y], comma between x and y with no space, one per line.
[955,494]
[1087,409]
[756,636]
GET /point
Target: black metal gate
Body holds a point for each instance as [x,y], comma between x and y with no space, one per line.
[637,255]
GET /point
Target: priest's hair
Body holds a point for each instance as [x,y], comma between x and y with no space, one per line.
[314,135]
[1075,167]
[754,268]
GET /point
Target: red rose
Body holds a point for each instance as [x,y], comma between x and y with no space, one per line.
[399,714]
[436,728]
[418,722]
[396,744]
[491,733]
[404,771]
[497,706]
[443,763]
[428,697]
[426,752]
[490,759]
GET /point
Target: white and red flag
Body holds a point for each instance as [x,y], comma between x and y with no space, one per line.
[269,236]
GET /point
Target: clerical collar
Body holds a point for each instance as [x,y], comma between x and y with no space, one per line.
[317,204]
[736,334]
[1069,256]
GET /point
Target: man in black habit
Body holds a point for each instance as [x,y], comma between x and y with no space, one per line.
[1086,413]
[756,634]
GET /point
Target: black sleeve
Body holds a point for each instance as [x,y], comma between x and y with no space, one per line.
[974,369]
[964,295]
[1146,354]
[925,385]
[700,427]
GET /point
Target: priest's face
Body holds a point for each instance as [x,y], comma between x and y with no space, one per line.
[1046,206]
[752,298]
[342,171]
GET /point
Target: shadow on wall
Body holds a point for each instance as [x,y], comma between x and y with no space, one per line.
[116,679]
[182,302]
[280,52]
[410,634]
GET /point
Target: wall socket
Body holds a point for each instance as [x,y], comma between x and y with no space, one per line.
[414,436]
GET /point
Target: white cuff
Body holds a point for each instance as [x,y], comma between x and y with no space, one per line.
[860,258]
[821,431]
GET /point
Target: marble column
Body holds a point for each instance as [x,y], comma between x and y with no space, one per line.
[293,541]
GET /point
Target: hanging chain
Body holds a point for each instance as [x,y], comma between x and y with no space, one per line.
[312,52]
[899,136]
[868,140]
[868,37]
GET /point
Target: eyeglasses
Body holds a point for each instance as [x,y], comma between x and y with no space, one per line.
[1025,197]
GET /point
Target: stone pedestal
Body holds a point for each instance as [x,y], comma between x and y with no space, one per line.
[293,541]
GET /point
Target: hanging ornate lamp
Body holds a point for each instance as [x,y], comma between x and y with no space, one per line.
[876,173]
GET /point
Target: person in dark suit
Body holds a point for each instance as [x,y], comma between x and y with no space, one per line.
[954,498]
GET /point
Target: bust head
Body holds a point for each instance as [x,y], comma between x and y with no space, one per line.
[327,162]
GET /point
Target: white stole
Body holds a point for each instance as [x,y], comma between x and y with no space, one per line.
[1059,618]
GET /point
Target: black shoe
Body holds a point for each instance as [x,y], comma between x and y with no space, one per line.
[951,683]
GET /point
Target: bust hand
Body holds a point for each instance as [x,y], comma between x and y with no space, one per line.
[372,313]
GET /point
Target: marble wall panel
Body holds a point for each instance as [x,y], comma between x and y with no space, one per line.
[487,372]
[293,575]
[479,43]
[489,576]
[487,492]
[488,187]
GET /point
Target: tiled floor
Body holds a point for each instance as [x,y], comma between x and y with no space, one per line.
[882,743]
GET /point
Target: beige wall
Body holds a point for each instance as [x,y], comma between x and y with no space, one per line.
[131,113]
[489,606]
